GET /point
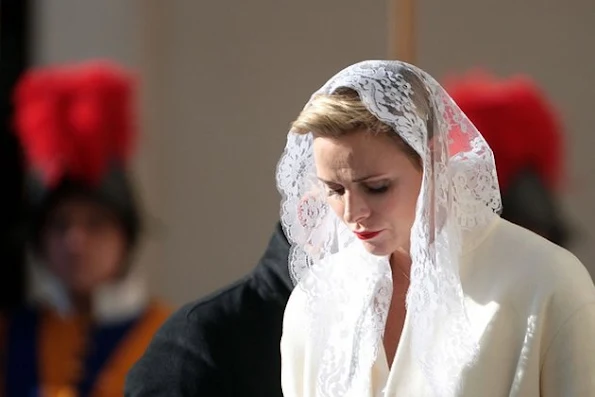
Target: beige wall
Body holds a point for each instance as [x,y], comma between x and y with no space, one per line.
[231,79]
[224,80]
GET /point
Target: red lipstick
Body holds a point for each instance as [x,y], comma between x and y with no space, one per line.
[366,235]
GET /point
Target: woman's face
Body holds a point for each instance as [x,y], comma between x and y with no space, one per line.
[83,245]
[372,186]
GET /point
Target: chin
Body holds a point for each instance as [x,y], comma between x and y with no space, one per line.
[377,249]
[80,286]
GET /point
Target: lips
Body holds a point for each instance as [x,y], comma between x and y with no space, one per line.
[366,235]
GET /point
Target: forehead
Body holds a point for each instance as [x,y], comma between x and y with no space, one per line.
[357,155]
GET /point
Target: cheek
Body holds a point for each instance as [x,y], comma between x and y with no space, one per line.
[55,251]
[104,255]
[337,206]
[111,249]
[399,207]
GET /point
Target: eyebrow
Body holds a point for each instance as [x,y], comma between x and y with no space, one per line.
[357,180]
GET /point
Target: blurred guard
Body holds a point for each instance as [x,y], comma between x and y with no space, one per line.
[524,132]
[90,317]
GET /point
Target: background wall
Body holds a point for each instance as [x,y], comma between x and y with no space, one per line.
[222,83]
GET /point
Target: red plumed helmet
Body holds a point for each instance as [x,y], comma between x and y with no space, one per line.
[517,121]
[76,121]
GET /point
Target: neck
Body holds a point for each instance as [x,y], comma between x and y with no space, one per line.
[82,304]
[400,265]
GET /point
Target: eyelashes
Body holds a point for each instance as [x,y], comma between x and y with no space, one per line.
[334,192]
[369,189]
[377,189]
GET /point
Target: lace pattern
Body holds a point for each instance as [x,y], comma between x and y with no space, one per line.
[349,290]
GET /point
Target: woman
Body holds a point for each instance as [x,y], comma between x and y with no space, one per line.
[90,317]
[409,282]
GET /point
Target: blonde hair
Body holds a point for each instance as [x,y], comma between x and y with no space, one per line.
[342,112]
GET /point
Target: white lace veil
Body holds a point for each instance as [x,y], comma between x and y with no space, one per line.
[349,290]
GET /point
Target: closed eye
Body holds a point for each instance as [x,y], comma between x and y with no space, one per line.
[377,189]
[333,189]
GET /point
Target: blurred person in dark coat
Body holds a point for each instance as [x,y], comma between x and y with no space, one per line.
[226,344]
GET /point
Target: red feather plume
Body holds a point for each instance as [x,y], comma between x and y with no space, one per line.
[75,120]
[518,122]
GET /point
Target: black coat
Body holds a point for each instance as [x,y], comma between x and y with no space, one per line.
[226,344]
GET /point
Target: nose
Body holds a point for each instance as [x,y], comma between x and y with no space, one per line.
[356,208]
